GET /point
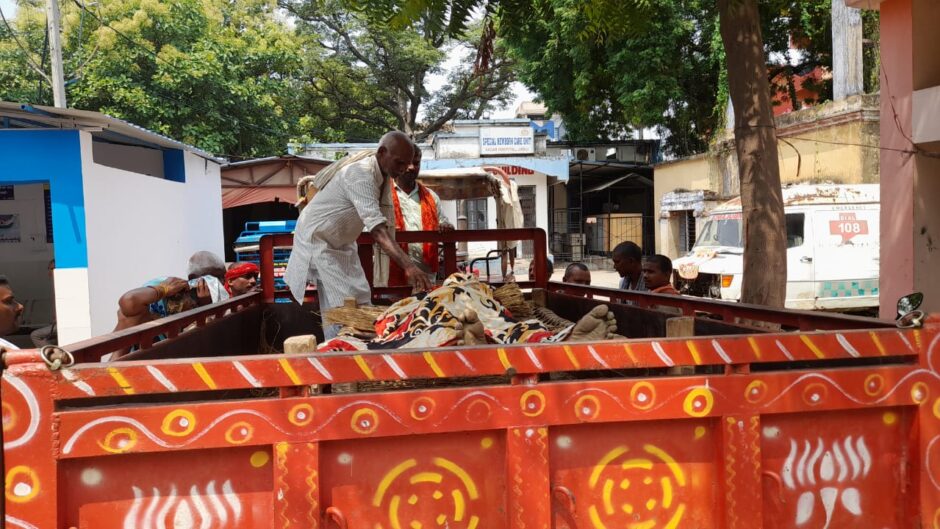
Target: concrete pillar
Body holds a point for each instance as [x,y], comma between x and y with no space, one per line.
[897,168]
[910,181]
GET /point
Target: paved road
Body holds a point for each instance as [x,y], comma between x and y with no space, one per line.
[599,278]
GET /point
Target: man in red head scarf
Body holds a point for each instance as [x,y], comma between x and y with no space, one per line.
[241,278]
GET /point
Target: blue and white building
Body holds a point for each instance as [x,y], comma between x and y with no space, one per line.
[112,203]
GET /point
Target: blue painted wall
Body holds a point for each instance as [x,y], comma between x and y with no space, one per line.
[53,156]
[174,166]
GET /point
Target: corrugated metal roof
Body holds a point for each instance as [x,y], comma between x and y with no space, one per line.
[269,159]
[37,116]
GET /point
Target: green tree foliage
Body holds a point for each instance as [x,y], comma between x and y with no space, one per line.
[365,77]
[217,74]
[608,69]
[798,40]
[663,76]
[871,30]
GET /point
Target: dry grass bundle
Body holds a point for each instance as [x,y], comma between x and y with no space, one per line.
[358,318]
[511,297]
[549,319]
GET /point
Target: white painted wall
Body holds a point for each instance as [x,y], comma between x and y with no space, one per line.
[26,263]
[457,147]
[73,310]
[926,104]
[140,227]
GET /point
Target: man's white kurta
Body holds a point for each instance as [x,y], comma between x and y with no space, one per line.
[411,214]
[325,238]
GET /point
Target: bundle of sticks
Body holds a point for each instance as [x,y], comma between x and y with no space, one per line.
[511,297]
[359,319]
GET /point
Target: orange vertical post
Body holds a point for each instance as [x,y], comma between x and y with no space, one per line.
[528,478]
[743,498]
[297,486]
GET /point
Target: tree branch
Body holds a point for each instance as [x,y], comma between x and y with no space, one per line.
[382,52]
[24,49]
[460,98]
[347,38]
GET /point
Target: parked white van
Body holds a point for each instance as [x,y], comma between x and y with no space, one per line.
[832,249]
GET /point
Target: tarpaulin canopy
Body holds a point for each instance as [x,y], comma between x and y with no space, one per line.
[266,179]
[241,196]
[461,183]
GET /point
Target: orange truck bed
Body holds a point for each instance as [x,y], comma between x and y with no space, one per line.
[831,422]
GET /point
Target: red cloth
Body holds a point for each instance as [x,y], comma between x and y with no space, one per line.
[429,222]
[666,289]
[240,269]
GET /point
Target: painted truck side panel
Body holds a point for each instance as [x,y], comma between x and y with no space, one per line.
[781,449]
[832,428]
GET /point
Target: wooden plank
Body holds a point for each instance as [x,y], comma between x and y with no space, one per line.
[234,334]
[681,327]
[306,343]
[633,321]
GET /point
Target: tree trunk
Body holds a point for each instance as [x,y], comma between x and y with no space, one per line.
[765,249]
[847,63]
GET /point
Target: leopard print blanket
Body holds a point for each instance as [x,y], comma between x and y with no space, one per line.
[430,320]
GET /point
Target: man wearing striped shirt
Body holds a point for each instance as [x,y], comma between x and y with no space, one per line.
[325,251]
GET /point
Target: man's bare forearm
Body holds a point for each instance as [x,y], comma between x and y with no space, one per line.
[381,236]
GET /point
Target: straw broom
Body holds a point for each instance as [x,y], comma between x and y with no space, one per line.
[358,318]
[511,297]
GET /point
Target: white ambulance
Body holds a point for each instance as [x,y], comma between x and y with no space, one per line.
[832,249]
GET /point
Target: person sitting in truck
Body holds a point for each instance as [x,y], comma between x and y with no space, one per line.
[657,274]
[241,278]
[416,208]
[204,263]
[325,251]
[549,267]
[627,257]
[11,314]
[163,297]
[577,274]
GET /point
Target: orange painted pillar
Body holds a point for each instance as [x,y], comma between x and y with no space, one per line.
[898,168]
[528,478]
[743,498]
[297,487]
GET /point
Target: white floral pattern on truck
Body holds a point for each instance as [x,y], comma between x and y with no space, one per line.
[830,471]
